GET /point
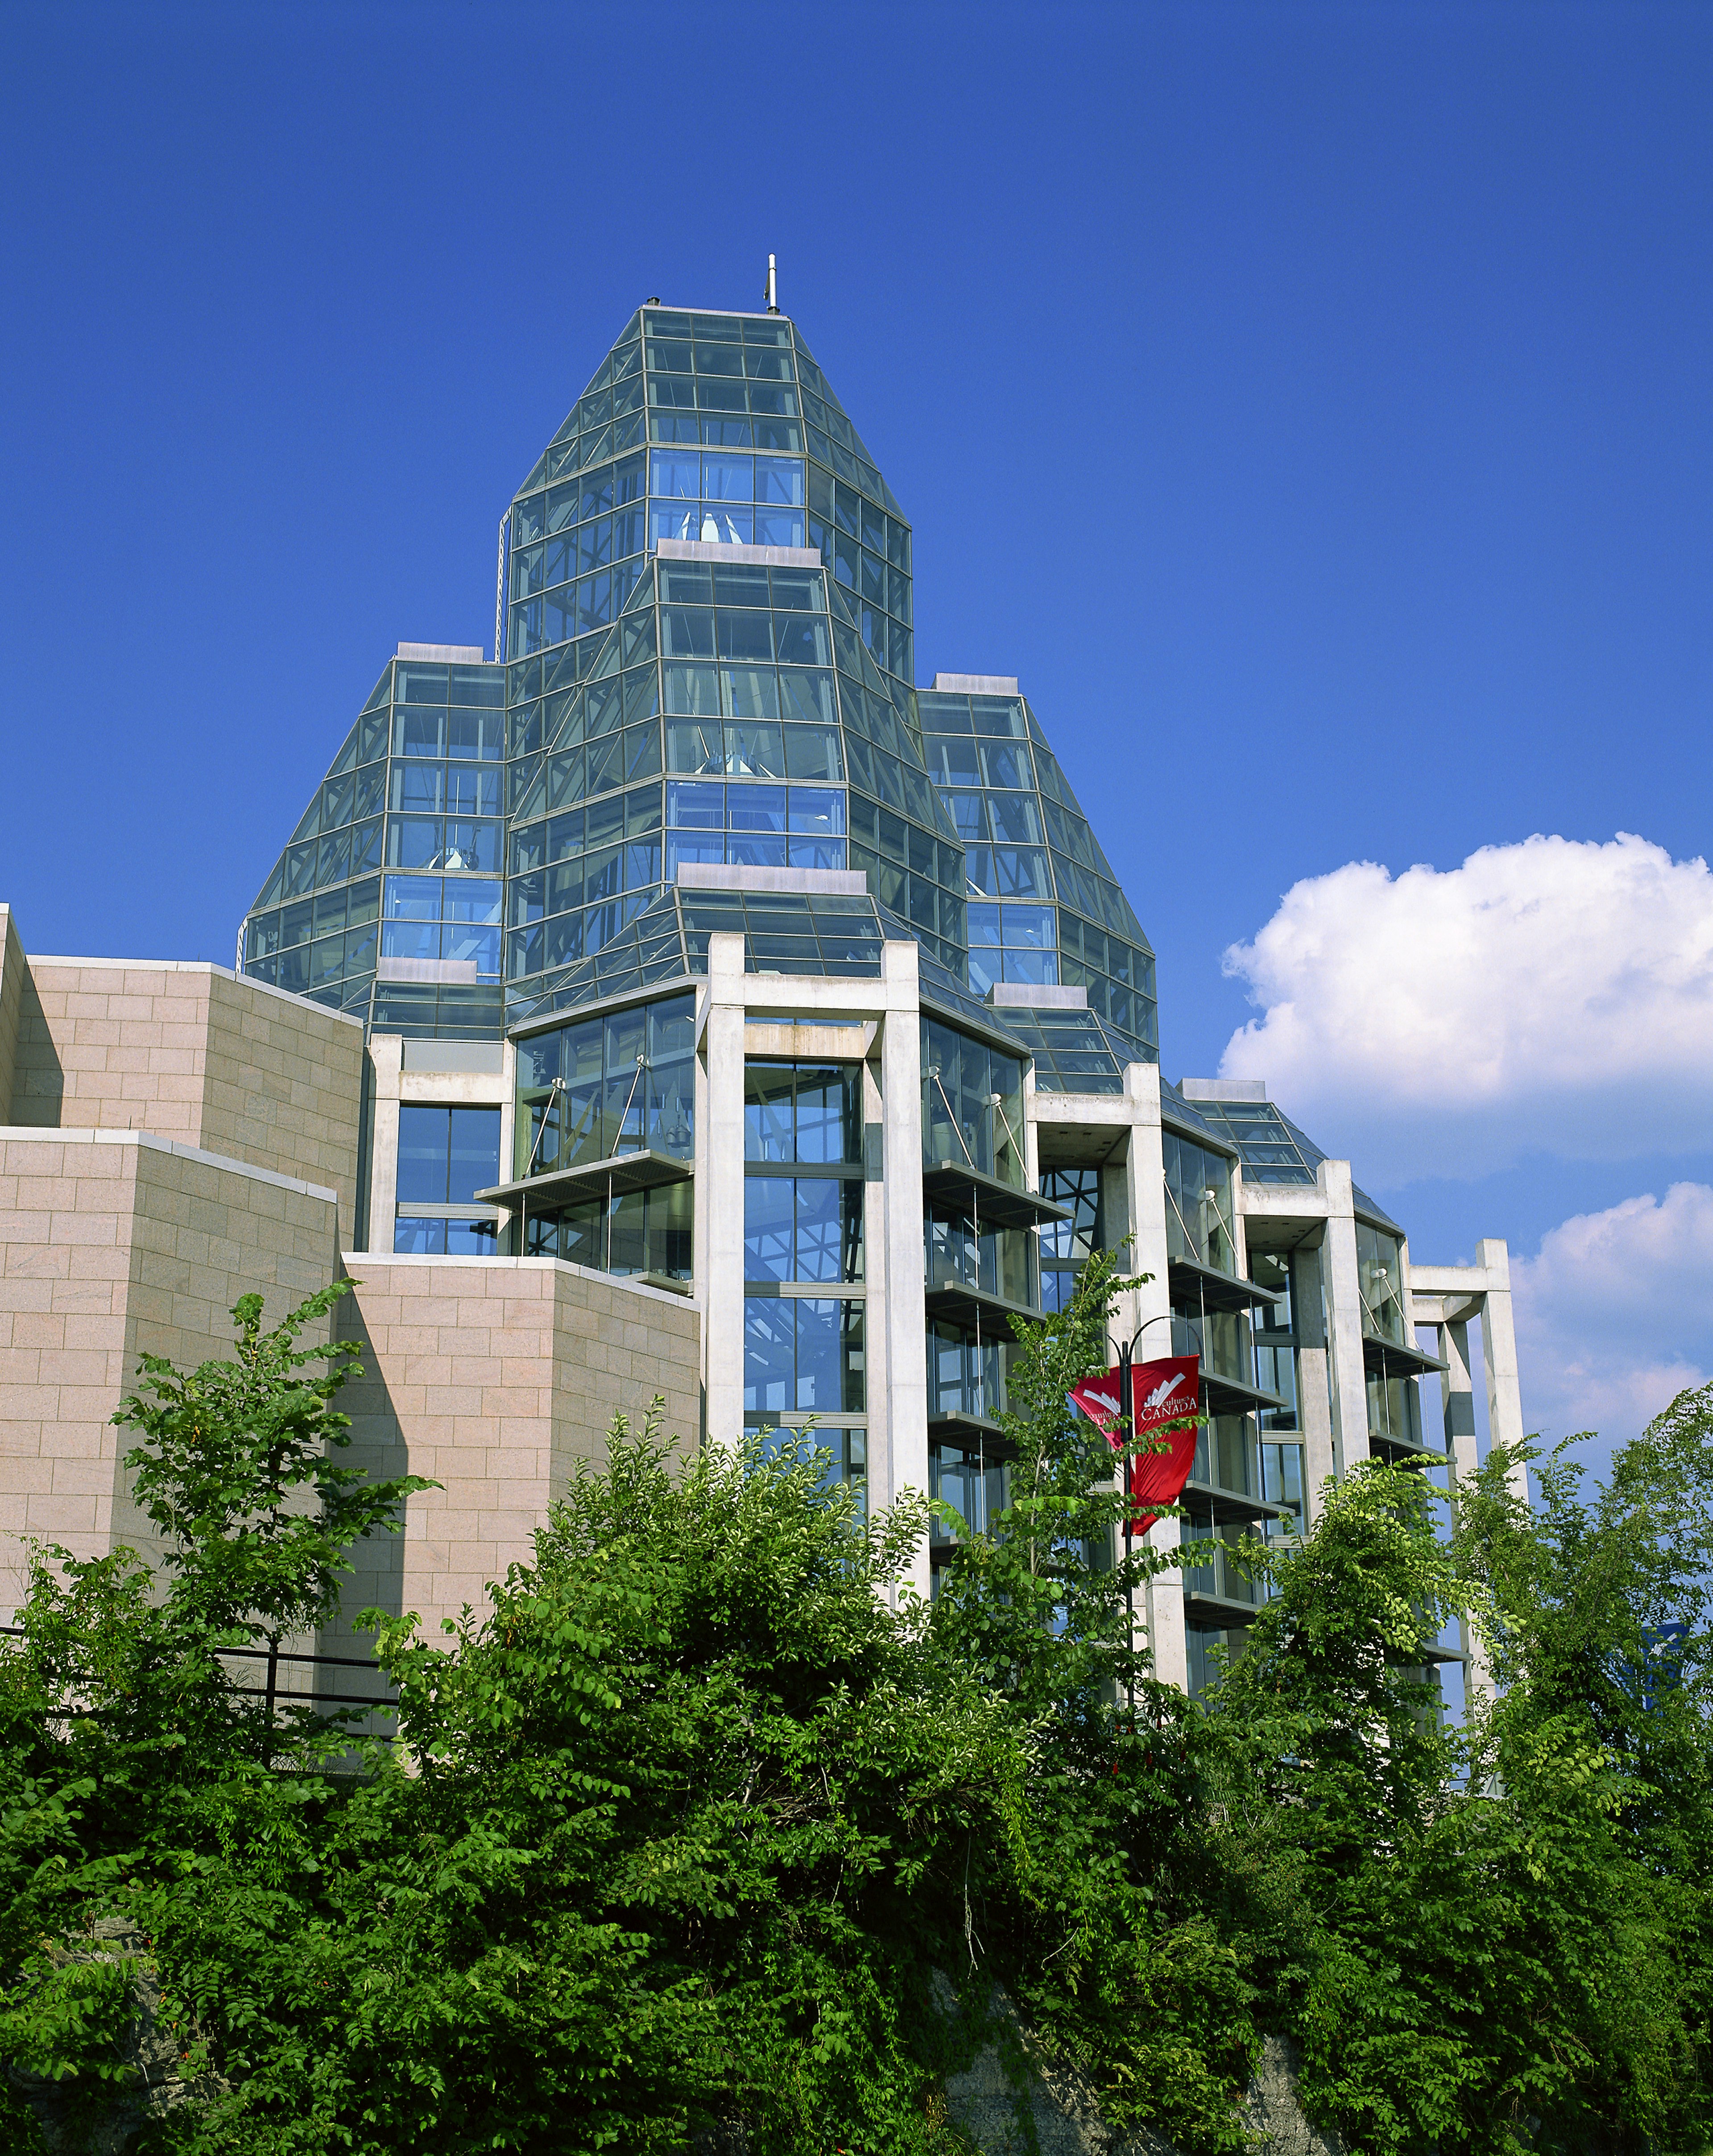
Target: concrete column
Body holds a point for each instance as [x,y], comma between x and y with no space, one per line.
[1505,1405]
[1341,1278]
[1322,1460]
[1460,1397]
[700,1244]
[876,1159]
[387,1063]
[721,1146]
[1145,1200]
[508,1112]
[1452,1343]
[904,1464]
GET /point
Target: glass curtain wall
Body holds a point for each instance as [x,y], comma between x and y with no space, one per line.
[1198,1204]
[445,1156]
[972,1096]
[621,1081]
[718,428]
[1282,1455]
[1380,1273]
[749,445]
[1044,906]
[399,856]
[804,1318]
[1066,1245]
[731,716]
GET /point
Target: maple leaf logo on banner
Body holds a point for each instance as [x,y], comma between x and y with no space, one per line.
[1166,1397]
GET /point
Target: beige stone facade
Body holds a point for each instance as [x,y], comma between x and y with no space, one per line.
[495,1377]
[196,1054]
[112,1244]
[172,1137]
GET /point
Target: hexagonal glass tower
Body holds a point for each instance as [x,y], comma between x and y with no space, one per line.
[705,610]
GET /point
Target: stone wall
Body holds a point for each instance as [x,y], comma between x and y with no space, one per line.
[196,1054]
[113,1243]
[493,1377]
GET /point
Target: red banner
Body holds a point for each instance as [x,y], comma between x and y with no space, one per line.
[1167,1396]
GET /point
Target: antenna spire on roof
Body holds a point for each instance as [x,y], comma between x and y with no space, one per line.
[772,293]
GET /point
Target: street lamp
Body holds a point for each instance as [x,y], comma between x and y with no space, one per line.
[1126,1407]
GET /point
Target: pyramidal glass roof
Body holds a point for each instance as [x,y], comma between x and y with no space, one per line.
[808,932]
[704,654]
[731,717]
[1044,905]
[1274,1149]
[718,426]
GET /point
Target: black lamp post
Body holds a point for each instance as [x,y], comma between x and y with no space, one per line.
[1126,1409]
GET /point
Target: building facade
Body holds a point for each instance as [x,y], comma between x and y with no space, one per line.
[684,1001]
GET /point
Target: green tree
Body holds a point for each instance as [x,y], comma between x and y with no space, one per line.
[1465,1925]
[692,1814]
[1040,1604]
[237,1471]
[131,1749]
[1125,1973]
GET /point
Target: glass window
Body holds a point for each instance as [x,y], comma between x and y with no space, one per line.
[803,1356]
[818,809]
[1066,1245]
[675,473]
[958,1253]
[1282,1484]
[1380,1272]
[804,1112]
[624,1080]
[779,479]
[728,478]
[446,1155]
[972,1104]
[966,1373]
[1198,1221]
[975,1486]
[802,1227]
[429,1235]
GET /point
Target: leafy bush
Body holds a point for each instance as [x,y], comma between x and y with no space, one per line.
[692,1830]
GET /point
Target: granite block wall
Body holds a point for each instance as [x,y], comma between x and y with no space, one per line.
[493,1377]
[194,1053]
[113,1243]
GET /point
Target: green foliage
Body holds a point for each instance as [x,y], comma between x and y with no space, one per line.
[1038,1604]
[696,1822]
[690,1814]
[236,1473]
[1477,1932]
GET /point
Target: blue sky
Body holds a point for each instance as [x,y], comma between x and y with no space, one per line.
[1308,403]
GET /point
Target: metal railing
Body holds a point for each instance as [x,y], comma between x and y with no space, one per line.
[269,1689]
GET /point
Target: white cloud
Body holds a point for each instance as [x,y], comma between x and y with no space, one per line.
[1612,1314]
[1555,995]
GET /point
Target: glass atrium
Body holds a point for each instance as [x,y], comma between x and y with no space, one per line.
[495,840]
[705,663]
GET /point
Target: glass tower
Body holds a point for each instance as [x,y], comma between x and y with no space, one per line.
[705,621]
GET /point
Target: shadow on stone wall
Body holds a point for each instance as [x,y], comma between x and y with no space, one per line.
[38,1076]
[378,1446]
